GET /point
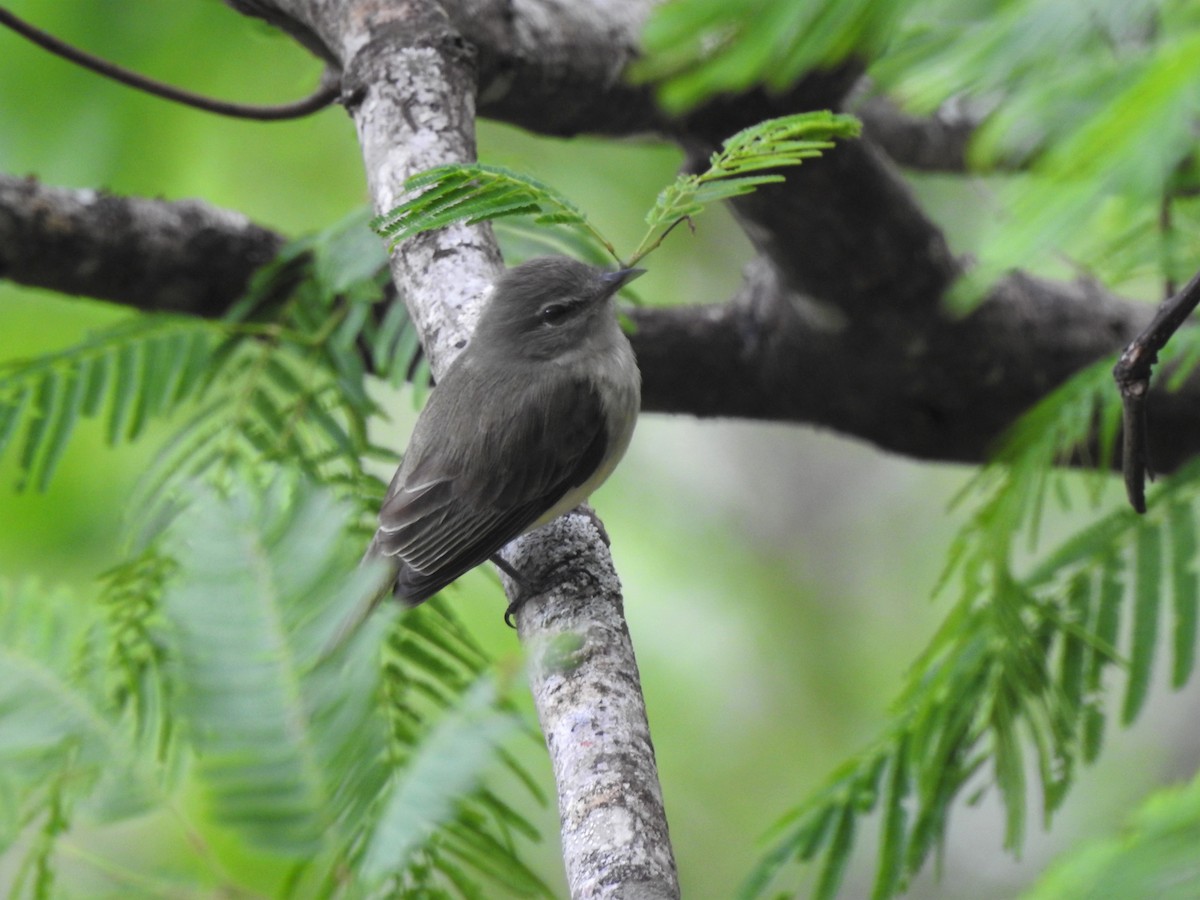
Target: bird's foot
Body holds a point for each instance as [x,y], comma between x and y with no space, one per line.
[522,587]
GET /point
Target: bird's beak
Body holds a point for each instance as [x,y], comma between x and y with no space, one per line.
[618,279]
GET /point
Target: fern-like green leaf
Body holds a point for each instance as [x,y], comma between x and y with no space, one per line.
[1108,615]
[1075,650]
[446,766]
[392,343]
[288,748]
[474,846]
[1087,544]
[1147,604]
[476,193]
[1106,154]
[1181,524]
[698,48]
[140,369]
[125,389]
[47,713]
[297,394]
[1010,767]
[131,600]
[733,187]
[893,827]
[838,854]
[96,374]
[12,408]
[45,403]
[60,429]
[60,741]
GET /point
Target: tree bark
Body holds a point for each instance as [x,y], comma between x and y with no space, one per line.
[588,695]
[186,257]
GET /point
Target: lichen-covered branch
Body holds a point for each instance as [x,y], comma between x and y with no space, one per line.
[589,701]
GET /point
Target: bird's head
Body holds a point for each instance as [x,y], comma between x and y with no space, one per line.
[548,305]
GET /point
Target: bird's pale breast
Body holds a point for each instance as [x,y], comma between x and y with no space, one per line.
[622,400]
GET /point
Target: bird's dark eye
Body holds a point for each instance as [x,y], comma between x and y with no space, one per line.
[554,313]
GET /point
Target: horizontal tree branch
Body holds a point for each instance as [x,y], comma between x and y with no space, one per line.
[938,388]
[905,376]
[183,256]
[557,69]
[843,230]
[553,67]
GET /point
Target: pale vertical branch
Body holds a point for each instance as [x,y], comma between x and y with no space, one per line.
[585,683]
[410,88]
[409,83]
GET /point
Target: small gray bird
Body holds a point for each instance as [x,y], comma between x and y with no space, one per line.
[527,421]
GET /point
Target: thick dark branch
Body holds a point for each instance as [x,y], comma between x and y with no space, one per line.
[558,68]
[552,67]
[847,231]
[184,256]
[936,143]
[934,387]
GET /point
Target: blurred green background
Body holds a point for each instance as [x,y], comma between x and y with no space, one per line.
[777,580]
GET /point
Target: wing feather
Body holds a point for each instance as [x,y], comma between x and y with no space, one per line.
[516,452]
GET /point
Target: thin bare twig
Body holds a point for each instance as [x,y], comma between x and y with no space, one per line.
[1132,374]
[325,94]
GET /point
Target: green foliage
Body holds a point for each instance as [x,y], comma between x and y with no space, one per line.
[698,48]
[479,193]
[1105,160]
[130,607]
[272,738]
[288,746]
[128,375]
[435,670]
[59,743]
[1105,177]
[996,51]
[279,380]
[1154,857]
[206,685]
[1103,148]
[1015,675]
[446,767]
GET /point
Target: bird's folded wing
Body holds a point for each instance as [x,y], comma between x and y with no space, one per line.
[453,507]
